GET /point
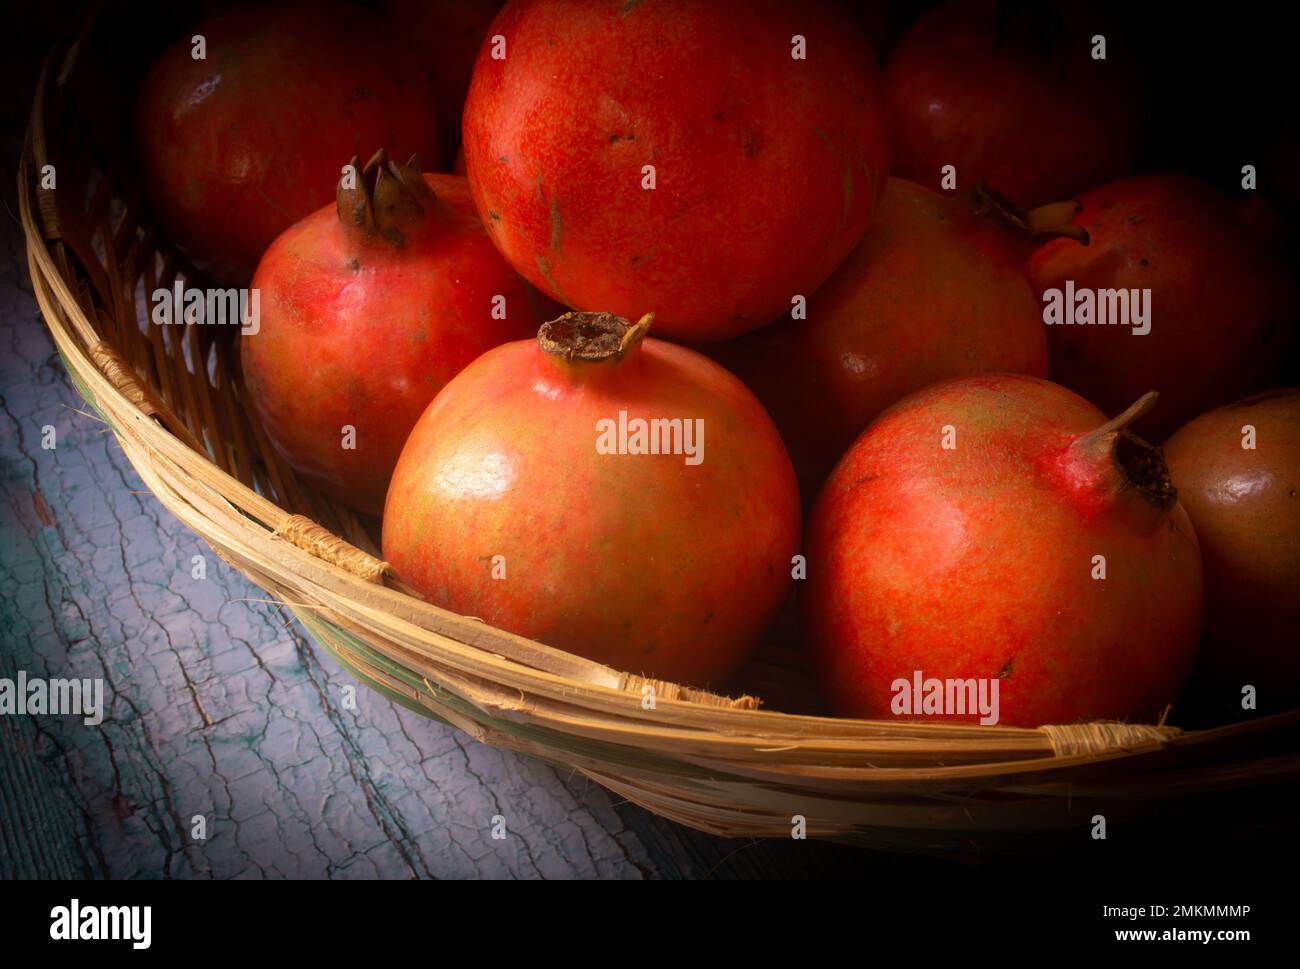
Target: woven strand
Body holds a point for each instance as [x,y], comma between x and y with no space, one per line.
[51,220]
[320,542]
[122,376]
[664,690]
[1095,738]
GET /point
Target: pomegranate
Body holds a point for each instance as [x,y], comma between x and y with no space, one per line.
[1221,307]
[999,529]
[1237,470]
[236,147]
[874,18]
[1009,91]
[618,497]
[711,159]
[368,308]
[446,36]
[935,289]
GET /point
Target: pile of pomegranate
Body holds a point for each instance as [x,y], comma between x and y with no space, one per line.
[743,306]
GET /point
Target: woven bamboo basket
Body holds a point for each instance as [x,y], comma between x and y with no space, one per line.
[731,766]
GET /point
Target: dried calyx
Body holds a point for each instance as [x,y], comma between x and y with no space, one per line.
[1141,465]
[1050,221]
[384,199]
[592,337]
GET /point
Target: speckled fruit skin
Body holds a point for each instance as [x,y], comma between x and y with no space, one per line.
[640,562]
[362,333]
[1223,303]
[446,36]
[977,562]
[767,168]
[1245,505]
[236,148]
[1010,93]
[932,291]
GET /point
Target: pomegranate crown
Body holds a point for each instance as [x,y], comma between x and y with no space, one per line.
[1050,221]
[384,199]
[592,337]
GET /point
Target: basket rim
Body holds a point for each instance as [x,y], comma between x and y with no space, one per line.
[504,676]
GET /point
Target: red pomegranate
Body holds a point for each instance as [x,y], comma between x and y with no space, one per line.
[1222,305]
[1237,470]
[620,498]
[998,529]
[874,18]
[935,289]
[1009,91]
[236,147]
[368,307]
[446,36]
[711,159]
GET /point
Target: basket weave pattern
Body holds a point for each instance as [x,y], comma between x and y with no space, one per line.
[173,397]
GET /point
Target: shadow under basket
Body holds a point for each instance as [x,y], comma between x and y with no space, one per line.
[174,399]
